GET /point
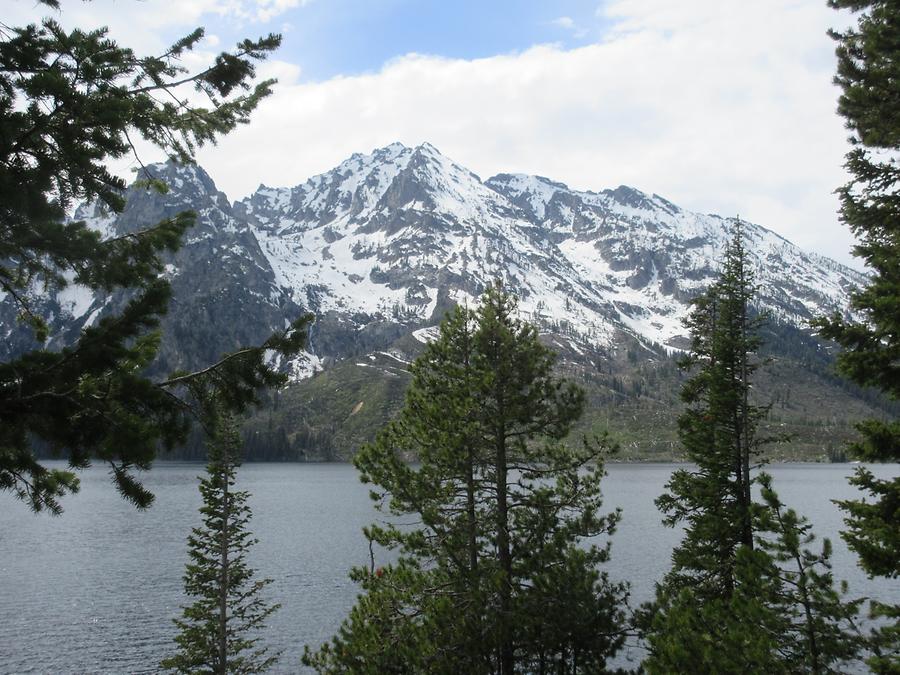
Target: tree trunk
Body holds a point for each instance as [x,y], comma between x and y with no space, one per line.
[812,644]
[472,524]
[503,552]
[223,585]
[470,510]
[747,526]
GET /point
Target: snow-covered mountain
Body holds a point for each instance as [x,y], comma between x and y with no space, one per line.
[382,244]
[395,234]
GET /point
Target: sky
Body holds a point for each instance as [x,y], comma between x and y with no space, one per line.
[720,106]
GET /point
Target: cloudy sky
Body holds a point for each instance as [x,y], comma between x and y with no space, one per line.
[722,106]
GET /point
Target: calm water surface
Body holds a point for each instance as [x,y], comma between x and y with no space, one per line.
[94,590]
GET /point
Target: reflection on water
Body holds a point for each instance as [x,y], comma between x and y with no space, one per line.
[93,591]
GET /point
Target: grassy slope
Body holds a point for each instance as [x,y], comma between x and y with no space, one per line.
[632,393]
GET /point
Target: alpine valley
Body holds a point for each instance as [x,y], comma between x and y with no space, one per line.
[382,245]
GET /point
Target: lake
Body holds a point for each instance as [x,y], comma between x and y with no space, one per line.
[94,590]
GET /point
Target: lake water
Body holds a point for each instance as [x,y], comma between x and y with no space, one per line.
[94,591]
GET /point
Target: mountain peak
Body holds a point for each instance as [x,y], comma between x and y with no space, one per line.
[427,147]
[398,146]
[177,176]
[532,193]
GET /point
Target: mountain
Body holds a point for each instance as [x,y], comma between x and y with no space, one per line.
[383,244]
[399,233]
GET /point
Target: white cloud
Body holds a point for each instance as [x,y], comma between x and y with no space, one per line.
[266,10]
[567,23]
[145,26]
[722,106]
[286,73]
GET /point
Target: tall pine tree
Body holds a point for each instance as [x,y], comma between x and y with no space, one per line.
[218,632]
[744,593]
[718,431]
[495,577]
[71,100]
[868,74]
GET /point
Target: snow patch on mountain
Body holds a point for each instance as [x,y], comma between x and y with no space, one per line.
[426,335]
[75,299]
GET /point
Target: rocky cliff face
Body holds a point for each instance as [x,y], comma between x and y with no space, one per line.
[224,291]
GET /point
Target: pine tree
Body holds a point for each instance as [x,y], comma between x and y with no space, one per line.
[437,425]
[784,614]
[697,607]
[69,102]
[718,430]
[868,72]
[217,633]
[814,627]
[495,577]
[715,634]
[744,593]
